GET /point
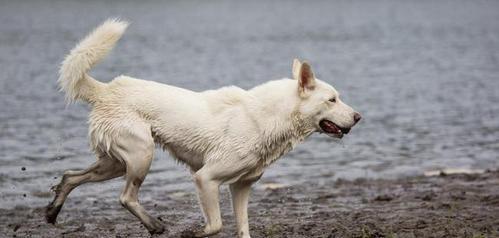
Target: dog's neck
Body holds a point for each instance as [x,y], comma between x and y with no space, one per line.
[283,126]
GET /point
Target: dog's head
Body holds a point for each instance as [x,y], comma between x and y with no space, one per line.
[321,105]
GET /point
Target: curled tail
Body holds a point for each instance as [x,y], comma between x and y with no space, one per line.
[73,78]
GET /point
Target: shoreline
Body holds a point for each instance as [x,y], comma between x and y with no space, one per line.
[445,205]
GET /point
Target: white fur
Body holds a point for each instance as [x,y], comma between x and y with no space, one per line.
[73,74]
[229,135]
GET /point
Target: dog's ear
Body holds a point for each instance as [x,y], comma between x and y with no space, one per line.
[296,68]
[306,80]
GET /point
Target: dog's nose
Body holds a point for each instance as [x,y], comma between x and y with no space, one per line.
[356,117]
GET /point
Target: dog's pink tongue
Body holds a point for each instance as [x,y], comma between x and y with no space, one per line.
[329,127]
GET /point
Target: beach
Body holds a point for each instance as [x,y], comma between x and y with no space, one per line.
[423,74]
[455,205]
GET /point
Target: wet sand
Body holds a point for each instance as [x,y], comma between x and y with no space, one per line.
[458,205]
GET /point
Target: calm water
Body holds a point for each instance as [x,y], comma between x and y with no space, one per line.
[424,74]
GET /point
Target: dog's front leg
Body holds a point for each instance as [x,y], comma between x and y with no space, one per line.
[208,191]
[240,192]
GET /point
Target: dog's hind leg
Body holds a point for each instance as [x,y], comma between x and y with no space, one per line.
[137,149]
[104,168]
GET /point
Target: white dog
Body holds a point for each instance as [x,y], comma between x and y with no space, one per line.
[226,136]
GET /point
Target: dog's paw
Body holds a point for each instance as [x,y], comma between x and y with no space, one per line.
[207,231]
[157,230]
[195,233]
[51,213]
[156,227]
[198,232]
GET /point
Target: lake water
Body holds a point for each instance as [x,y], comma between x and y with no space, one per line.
[424,75]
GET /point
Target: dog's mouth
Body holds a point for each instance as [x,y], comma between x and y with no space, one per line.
[330,128]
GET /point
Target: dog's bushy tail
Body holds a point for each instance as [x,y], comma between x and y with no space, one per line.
[73,78]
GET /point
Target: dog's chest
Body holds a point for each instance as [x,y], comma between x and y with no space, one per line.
[270,150]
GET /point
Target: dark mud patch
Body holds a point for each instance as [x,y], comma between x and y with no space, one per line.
[440,206]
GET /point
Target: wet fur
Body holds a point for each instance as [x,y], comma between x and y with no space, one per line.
[226,136]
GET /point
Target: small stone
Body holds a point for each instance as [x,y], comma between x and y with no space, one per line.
[383,198]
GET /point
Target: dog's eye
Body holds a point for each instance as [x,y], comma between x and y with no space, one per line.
[332,99]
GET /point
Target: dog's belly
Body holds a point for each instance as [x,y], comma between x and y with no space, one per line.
[193,159]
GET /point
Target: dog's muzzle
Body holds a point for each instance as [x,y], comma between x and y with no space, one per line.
[330,127]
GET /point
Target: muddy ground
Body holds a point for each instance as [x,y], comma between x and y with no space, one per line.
[459,205]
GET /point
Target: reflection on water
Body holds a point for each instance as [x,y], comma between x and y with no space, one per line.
[423,74]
